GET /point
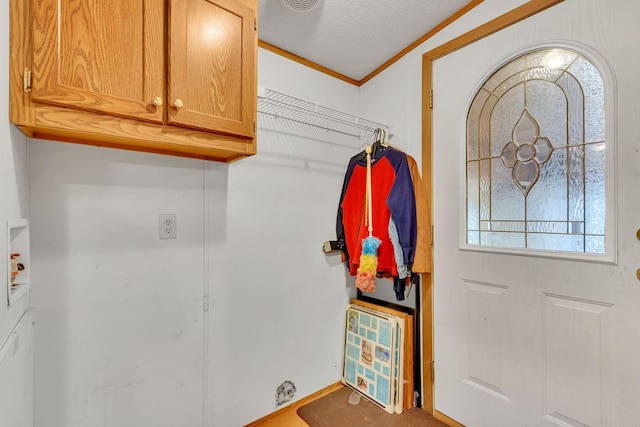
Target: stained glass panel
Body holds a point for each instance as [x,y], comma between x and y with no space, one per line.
[509,84]
[472,125]
[556,59]
[473,237]
[511,206]
[505,113]
[575,107]
[556,242]
[485,136]
[510,69]
[537,131]
[485,189]
[552,185]
[503,239]
[576,183]
[594,214]
[517,226]
[547,103]
[593,89]
[594,244]
[543,73]
[555,227]
[473,195]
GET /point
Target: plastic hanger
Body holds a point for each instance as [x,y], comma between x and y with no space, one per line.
[380,142]
[385,140]
[377,143]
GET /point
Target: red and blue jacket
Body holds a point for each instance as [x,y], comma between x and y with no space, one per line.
[393,198]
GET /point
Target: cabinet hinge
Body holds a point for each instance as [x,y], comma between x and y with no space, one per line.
[433,371]
[255,24]
[432,235]
[26,80]
[431,98]
[255,128]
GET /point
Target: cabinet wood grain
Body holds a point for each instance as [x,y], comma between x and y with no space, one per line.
[174,77]
[211,65]
[102,55]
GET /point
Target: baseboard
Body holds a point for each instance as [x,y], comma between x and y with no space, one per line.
[445,419]
[294,406]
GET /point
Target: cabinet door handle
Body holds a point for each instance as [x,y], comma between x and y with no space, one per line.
[157,101]
[178,104]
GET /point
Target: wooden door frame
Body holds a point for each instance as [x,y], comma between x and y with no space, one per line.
[518,14]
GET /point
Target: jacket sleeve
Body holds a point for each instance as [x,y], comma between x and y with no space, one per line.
[422,252]
[402,205]
[340,231]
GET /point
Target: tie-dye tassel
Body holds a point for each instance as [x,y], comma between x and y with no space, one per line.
[366,277]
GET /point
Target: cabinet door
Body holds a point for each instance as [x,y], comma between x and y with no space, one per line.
[105,56]
[16,375]
[212,66]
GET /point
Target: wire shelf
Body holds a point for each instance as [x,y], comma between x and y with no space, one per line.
[280,105]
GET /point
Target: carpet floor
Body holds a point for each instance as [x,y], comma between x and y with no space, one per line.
[334,410]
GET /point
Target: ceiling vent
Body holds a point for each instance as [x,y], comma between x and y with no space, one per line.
[301,4]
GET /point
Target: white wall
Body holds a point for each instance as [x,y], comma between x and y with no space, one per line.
[123,336]
[13,181]
[119,338]
[13,205]
[278,313]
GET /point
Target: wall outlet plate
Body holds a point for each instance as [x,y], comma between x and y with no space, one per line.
[167,226]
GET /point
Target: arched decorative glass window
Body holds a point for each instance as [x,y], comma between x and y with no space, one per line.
[535,155]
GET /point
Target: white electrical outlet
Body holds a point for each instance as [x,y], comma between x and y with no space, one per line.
[167,226]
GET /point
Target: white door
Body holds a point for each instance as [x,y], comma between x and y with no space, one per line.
[534,339]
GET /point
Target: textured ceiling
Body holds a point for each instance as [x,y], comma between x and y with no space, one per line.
[351,37]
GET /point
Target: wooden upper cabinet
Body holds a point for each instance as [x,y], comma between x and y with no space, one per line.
[100,55]
[168,76]
[212,65]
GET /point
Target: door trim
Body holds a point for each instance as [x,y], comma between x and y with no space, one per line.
[514,16]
